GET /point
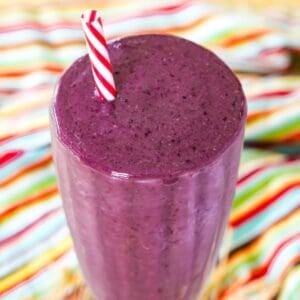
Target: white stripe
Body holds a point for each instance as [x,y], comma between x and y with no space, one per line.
[40,284]
[27,142]
[55,36]
[106,94]
[291,284]
[285,256]
[16,189]
[86,16]
[98,27]
[94,41]
[37,234]
[265,126]
[11,227]
[28,81]
[101,67]
[39,55]
[35,251]
[183,17]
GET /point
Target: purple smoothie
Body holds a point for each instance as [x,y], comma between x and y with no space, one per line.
[148,180]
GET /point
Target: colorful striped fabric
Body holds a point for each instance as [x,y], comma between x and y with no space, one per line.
[38,42]
[273,109]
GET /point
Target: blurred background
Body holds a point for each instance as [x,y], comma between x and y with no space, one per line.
[258,39]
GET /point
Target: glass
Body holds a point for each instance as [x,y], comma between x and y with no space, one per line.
[146,238]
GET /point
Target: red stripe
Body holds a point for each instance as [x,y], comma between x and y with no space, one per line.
[25,170]
[106,84]
[171,7]
[40,27]
[100,21]
[43,196]
[100,93]
[251,213]
[164,10]
[279,93]
[100,57]
[10,156]
[92,16]
[98,36]
[264,167]
[34,275]
[16,136]
[76,25]
[25,90]
[24,230]
[8,91]
[6,138]
[274,51]
[251,174]
[293,138]
[263,269]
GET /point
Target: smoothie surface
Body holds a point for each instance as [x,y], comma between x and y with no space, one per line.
[178,108]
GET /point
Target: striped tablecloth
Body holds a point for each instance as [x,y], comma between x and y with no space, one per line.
[37,42]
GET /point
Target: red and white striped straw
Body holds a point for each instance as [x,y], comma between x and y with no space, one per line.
[98,53]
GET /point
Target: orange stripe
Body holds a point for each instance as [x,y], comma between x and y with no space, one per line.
[174,29]
[6,138]
[196,23]
[171,30]
[41,67]
[263,204]
[246,37]
[16,136]
[23,171]
[28,228]
[33,275]
[261,270]
[30,201]
[254,116]
[255,243]
[294,137]
[239,283]
[244,252]
[292,263]
[50,45]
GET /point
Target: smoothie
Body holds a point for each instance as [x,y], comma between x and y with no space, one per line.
[147,180]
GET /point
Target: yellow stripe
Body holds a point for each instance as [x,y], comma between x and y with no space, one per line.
[293,275]
[270,190]
[265,240]
[269,159]
[12,127]
[278,113]
[34,266]
[33,100]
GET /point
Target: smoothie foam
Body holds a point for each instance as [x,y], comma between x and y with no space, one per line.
[178,106]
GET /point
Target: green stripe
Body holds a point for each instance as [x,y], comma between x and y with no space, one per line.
[250,154]
[254,259]
[291,289]
[261,182]
[32,190]
[44,56]
[289,125]
[227,32]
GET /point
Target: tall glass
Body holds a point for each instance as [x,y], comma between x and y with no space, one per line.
[146,238]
